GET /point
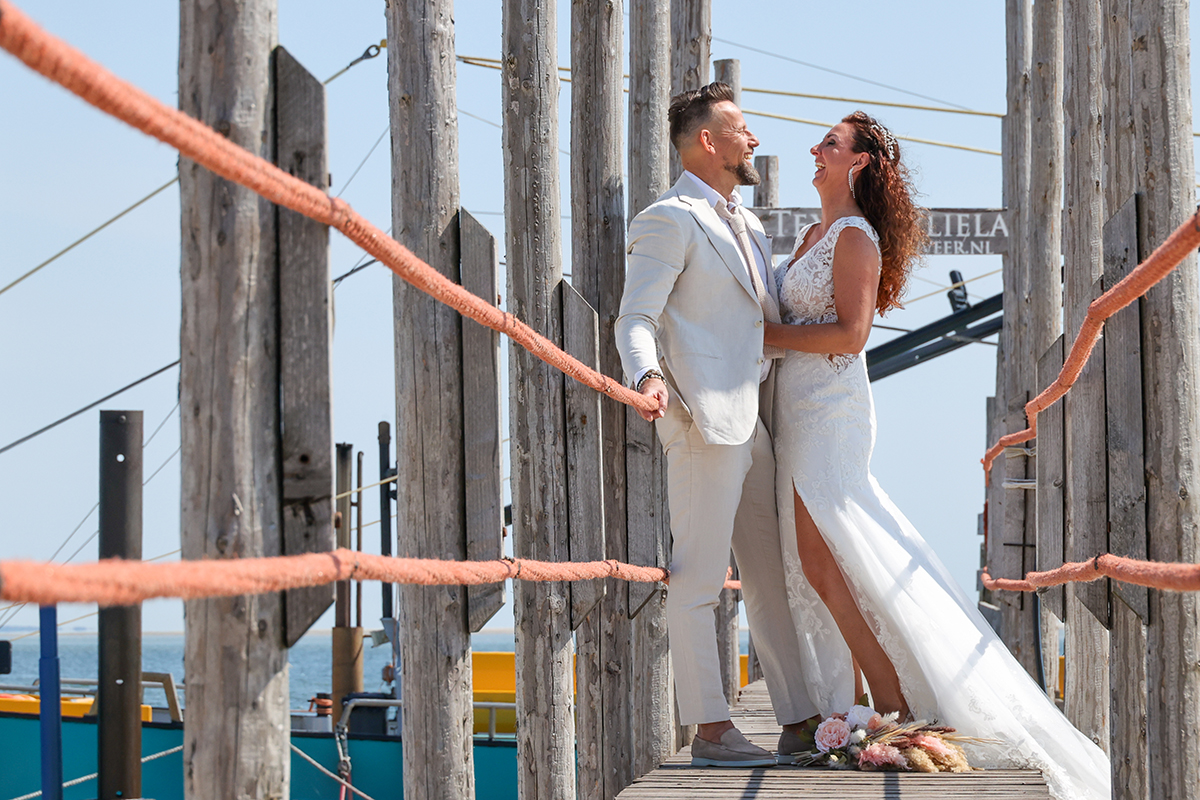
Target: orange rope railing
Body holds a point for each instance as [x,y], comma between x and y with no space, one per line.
[71,69]
[114,582]
[1161,263]
[1154,574]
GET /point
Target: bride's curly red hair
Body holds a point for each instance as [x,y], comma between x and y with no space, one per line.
[885,194]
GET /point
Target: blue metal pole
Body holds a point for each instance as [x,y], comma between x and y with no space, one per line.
[51,706]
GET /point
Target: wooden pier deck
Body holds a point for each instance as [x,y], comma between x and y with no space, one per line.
[677,779]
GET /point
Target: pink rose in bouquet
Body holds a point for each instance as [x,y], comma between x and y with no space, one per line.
[832,734]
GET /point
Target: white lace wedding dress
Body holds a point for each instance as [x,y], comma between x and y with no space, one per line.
[952,666]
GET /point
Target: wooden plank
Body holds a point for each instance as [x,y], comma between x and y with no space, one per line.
[305,339]
[691,37]
[1170,374]
[234,653]
[1123,386]
[481,420]
[435,646]
[533,229]
[585,479]
[1051,474]
[676,778]
[950,231]
[1128,744]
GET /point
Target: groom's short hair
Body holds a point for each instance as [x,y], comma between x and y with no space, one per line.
[690,110]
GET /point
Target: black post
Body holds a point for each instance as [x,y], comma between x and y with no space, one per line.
[120,690]
[386,492]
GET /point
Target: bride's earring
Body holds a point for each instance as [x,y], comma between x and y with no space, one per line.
[850,177]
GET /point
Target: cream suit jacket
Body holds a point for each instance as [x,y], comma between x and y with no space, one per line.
[688,295]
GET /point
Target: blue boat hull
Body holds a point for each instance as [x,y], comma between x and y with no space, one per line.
[376,762]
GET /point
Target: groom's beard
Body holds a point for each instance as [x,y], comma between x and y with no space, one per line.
[746,174]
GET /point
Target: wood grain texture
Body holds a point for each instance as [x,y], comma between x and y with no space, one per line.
[766,194]
[647,518]
[533,229]
[585,476]
[691,38]
[1123,387]
[435,648]
[305,339]
[481,420]
[1130,756]
[236,740]
[606,727]
[1160,57]
[676,779]
[1051,475]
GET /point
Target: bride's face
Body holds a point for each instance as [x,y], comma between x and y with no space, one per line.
[834,158]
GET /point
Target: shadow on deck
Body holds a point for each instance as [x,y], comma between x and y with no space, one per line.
[677,779]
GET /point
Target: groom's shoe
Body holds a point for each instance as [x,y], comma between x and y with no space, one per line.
[732,751]
[791,745]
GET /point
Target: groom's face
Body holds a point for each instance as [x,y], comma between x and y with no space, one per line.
[734,143]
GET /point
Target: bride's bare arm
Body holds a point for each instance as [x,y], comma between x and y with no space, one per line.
[855,286]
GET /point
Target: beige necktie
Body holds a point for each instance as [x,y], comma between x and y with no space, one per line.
[769,308]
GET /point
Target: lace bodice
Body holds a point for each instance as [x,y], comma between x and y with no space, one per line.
[806,283]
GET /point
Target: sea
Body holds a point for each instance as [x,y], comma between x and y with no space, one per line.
[309,661]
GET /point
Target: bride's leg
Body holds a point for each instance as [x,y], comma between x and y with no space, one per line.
[825,576]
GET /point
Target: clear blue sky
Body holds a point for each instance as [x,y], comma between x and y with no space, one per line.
[108,312]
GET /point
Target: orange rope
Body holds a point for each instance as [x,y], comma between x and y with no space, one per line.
[1161,262]
[117,582]
[68,67]
[1154,574]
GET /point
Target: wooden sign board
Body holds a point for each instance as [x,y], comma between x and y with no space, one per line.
[952,231]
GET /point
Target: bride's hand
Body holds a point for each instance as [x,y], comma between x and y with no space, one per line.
[772,333]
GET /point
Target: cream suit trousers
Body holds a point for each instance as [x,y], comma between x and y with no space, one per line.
[718,495]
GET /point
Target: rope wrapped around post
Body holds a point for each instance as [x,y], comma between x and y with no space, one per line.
[69,68]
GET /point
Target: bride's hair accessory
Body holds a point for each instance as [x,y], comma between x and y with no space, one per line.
[850,177]
[889,141]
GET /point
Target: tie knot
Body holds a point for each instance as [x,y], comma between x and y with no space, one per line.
[731,216]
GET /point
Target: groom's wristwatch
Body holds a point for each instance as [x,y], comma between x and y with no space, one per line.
[650,373]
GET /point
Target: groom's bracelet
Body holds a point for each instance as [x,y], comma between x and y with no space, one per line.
[650,373]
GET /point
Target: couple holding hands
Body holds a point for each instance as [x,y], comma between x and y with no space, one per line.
[766,419]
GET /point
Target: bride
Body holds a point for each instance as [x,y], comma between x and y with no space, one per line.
[861,580]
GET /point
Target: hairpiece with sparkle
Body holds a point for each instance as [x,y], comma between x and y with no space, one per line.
[889,141]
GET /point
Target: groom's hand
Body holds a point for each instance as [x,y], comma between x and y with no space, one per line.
[658,390]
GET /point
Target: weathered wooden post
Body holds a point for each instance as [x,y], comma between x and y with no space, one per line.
[691,35]
[432,628]
[533,228]
[766,194]
[1012,536]
[1128,604]
[1043,317]
[647,517]
[604,638]
[235,656]
[1162,128]
[1086,522]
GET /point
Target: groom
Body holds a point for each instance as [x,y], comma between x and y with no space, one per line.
[698,288]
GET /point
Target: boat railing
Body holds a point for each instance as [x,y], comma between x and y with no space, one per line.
[379,702]
[160,680]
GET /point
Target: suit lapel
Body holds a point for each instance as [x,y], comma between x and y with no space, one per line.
[718,233]
[763,242]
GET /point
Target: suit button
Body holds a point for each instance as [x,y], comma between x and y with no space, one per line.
[758,323]
[760,361]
